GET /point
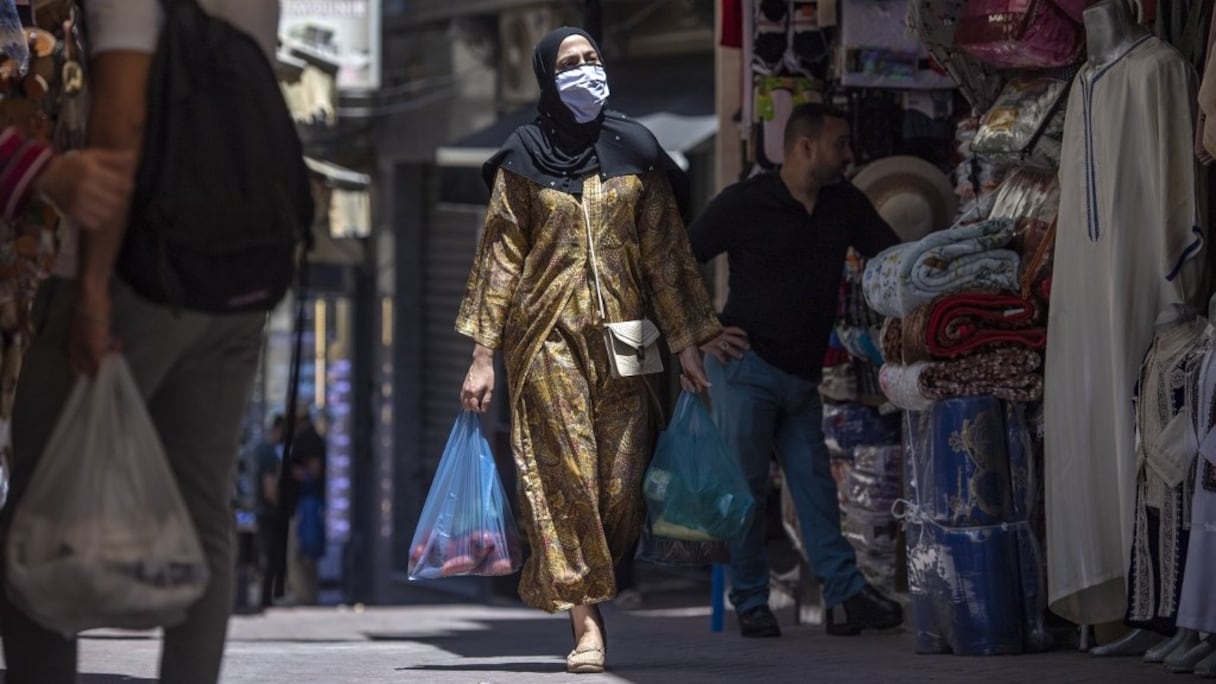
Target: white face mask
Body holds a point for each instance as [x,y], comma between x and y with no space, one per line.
[583,89]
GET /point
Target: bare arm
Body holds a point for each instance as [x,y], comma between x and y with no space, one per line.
[116,122]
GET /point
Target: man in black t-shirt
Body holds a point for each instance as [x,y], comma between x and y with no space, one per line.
[785,234]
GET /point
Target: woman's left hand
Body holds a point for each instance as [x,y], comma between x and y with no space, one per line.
[692,376]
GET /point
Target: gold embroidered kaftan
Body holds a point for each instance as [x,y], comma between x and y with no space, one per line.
[581,438]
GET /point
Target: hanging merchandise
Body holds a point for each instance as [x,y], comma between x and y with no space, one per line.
[933,22]
[1183,24]
[1021,119]
[1165,458]
[913,196]
[1019,34]
[1127,241]
[788,38]
[1031,197]
[14,47]
[775,99]
[976,178]
[1028,193]
[1197,603]
[807,48]
[771,29]
[879,52]
[43,96]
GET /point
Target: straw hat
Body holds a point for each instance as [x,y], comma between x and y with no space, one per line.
[911,194]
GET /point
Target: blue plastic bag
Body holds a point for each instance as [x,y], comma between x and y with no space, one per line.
[694,488]
[466,526]
[310,529]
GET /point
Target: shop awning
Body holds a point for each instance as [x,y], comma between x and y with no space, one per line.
[673,98]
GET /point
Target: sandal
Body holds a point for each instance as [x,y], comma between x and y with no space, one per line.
[585,661]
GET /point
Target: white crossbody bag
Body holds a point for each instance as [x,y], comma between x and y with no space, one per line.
[633,346]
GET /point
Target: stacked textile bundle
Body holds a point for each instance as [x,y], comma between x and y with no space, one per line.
[975,571]
[959,326]
[863,432]
[867,463]
[850,368]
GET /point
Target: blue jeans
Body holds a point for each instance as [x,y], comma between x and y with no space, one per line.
[758,407]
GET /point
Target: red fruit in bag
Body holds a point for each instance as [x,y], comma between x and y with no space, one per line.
[417,554]
[484,540]
[499,567]
[457,565]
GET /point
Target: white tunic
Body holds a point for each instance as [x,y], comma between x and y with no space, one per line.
[1127,237]
[1197,604]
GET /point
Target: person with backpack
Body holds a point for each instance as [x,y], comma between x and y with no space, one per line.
[220,208]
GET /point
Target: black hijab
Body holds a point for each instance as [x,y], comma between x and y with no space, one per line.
[557,151]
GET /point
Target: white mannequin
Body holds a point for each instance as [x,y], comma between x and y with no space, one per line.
[1110,27]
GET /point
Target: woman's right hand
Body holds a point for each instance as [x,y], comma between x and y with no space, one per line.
[478,387]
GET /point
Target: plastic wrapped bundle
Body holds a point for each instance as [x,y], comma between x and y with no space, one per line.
[873,532]
[875,481]
[974,564]
[961,462]
[1027,496]
[964,588]
[848,426]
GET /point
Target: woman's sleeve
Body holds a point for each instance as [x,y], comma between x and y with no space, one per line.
[677,290]
[498,264]
[21,160]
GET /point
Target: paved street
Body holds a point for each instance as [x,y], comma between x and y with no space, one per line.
[472,644]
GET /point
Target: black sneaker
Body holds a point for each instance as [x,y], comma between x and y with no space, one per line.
[867,609]
[759,623]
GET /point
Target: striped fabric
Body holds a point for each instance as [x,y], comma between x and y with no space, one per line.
[21,160]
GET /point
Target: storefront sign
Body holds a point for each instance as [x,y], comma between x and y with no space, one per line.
[346,32]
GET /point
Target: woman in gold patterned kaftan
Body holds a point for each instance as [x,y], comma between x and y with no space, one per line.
[581,438]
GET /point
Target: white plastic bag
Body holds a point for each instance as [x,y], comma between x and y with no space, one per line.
[102,537]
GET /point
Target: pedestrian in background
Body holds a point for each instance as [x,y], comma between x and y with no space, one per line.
[786,234]
[306,543]
[581,438]
[266,464]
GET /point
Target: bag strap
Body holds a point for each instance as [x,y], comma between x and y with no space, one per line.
[288,488]
[595,270]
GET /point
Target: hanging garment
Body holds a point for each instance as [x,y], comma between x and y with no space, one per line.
[1197,605]
[1126,238]
[1205,135]
[933,22]
[1163,483]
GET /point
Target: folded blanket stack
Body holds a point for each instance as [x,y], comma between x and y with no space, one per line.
[967,257]
[959,325]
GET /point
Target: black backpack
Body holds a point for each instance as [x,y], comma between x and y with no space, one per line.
[222,201]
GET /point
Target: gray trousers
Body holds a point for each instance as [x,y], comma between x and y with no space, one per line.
[195,371]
